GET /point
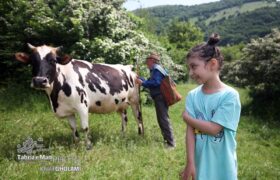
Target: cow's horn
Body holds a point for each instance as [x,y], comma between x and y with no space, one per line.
[59,48]
[31,46]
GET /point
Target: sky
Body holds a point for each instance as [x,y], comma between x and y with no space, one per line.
[134,4]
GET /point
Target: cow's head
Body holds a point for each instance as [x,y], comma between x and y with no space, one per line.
[43,60]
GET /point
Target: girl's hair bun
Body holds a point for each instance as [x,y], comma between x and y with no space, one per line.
[213,39]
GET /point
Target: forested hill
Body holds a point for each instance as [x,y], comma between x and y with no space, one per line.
[236,20]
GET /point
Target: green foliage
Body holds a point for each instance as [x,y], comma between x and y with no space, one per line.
[97,31]
[80,26]
[178,38]
[167,13]
[232,53]
[184,34]
[259,70]
[235,20]
[260,67]
[243,27]
[149,23]
[237,10]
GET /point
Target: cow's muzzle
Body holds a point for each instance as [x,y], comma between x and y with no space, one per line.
[40,82]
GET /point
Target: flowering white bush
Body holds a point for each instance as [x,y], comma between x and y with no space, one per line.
[94,30]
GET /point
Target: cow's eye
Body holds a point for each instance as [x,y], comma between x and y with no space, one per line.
[51,60]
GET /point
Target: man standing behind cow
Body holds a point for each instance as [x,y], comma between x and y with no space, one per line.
[153,84]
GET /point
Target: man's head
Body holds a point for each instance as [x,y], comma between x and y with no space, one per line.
[152,59]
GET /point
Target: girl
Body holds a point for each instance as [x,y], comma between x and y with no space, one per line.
[212,114]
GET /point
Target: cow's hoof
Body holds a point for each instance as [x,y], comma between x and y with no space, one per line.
[123,133]
[76,140]
[140,131]
[89,147]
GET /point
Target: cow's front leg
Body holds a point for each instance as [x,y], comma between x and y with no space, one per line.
[73,125]
[84,125]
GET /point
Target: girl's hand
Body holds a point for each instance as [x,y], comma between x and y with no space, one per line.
[188,172]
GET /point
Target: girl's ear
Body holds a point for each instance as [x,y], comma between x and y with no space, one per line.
[213,64]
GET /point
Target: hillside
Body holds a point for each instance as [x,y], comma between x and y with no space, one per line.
[237,10]
[221,16]
[243,27]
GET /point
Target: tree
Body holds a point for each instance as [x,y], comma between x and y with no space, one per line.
[259,71]
[181,36]
[184,34]
[94,30]
[232,53]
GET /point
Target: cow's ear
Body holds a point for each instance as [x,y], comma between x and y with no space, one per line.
[64,60]
[22,57]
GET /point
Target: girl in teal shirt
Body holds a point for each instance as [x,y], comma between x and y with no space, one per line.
[212,114]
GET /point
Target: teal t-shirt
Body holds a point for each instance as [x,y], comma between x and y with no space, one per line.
[215,156]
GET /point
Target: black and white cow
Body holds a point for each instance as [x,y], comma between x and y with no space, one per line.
[77,86]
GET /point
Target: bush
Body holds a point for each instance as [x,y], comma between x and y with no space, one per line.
[94,30]
[259,70]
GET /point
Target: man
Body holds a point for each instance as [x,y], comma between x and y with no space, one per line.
[157,74]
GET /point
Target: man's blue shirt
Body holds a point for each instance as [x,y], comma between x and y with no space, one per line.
[153,83]
[154,80]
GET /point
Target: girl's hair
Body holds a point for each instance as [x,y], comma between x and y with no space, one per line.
[207,51]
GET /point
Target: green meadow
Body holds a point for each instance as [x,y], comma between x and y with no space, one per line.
[25,113]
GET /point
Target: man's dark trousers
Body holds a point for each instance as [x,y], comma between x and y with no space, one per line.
[163,120]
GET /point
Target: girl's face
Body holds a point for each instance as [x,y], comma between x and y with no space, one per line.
[199,70]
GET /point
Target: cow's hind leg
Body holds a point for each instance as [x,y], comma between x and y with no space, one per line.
[73,125]
[85,128]
[138,116]
[123,114]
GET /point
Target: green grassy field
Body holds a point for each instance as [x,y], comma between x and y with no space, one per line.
[26,113]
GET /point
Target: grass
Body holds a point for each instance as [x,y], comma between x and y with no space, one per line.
[26,113]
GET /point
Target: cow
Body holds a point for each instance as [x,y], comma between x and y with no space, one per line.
[77,86]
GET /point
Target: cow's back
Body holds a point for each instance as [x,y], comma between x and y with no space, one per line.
[101,88]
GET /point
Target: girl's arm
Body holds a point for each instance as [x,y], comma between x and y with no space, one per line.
[207,127]
[189,171]
[190,143]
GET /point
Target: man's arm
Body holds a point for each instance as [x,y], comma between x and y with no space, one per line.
[154,81]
